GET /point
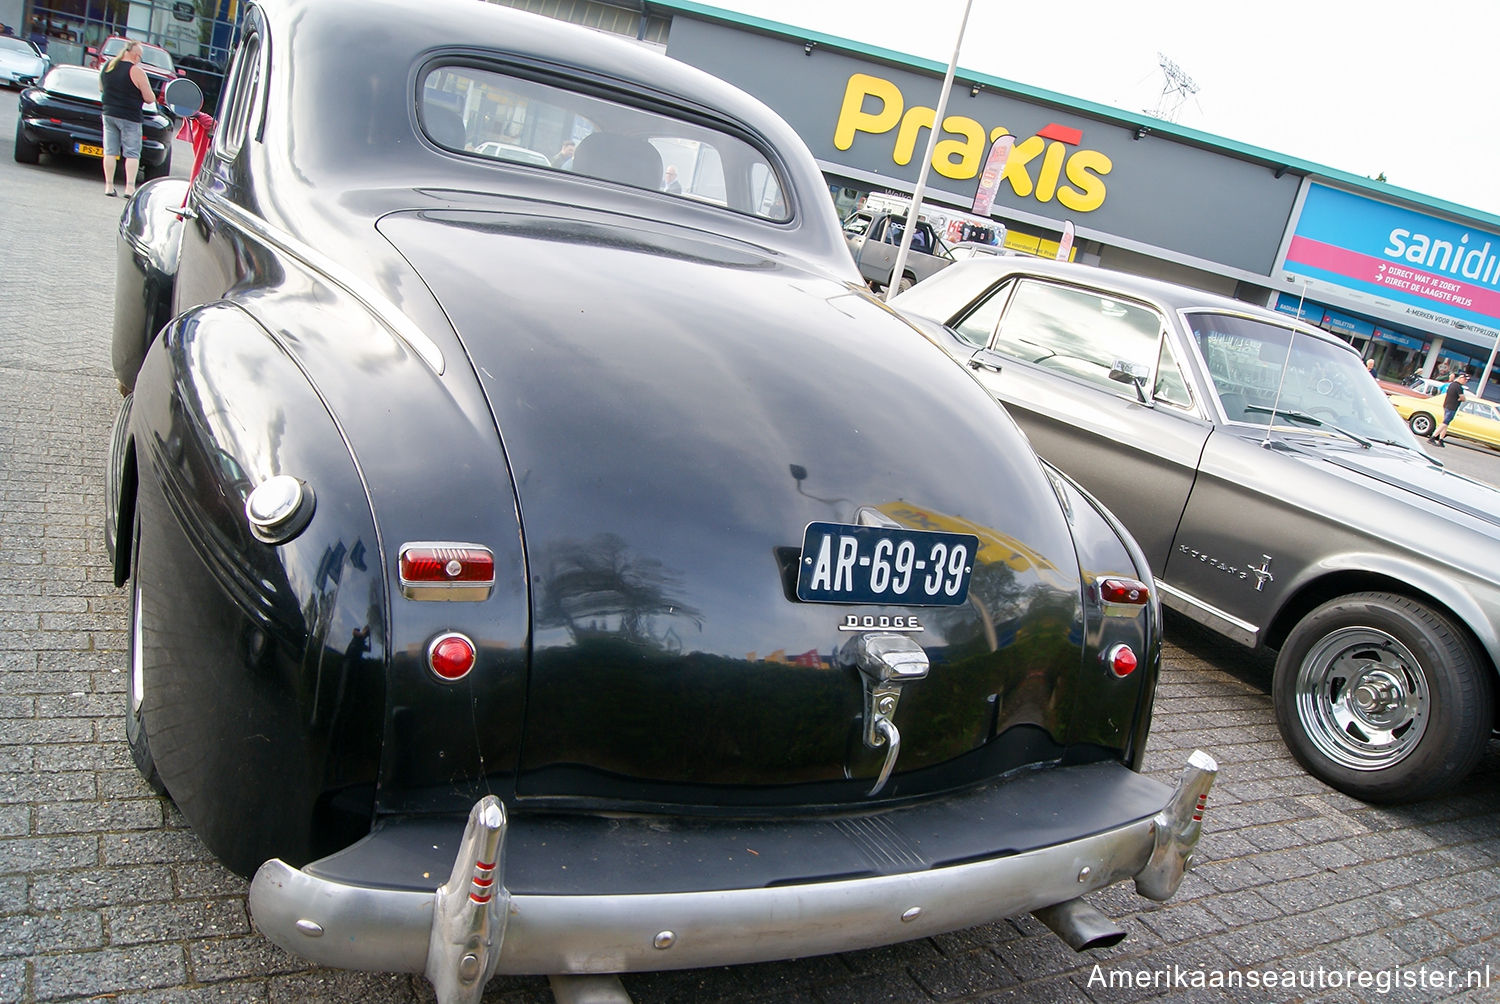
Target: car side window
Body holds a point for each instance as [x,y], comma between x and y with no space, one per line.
[1171,387]
[244,81]
[1082,333]
[514,118]
[976,326]
[857,225]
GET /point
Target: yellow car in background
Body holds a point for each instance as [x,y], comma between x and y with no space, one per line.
[1477,420]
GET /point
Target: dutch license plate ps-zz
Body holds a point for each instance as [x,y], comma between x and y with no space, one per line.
[844,563]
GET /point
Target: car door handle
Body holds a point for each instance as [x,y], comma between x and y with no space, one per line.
[985,359]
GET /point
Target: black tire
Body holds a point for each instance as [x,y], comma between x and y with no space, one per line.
[135,723]
[27,152]
[1383,698]
[153,171]
[907,282]
[1421,423]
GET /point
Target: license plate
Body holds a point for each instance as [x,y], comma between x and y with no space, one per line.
[88,149]
[844,563]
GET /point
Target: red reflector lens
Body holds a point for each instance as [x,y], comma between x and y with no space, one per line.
[1122,661]
[433,565]
[451,656]
[1124,591]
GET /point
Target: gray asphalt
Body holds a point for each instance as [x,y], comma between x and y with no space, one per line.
[104,894]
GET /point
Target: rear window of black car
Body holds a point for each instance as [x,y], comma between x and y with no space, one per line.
[489,115]
[74,82]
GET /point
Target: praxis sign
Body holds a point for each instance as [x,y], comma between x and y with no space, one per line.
[1437,272]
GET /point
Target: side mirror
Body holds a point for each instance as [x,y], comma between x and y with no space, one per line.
[1135,374]
[1125,371]
[181,97]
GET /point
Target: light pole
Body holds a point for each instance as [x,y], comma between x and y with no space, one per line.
[921,189]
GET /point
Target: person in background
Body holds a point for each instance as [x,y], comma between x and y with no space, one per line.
[671,185]
[1370,366]
[1453,396]
[564,157]
[126,91]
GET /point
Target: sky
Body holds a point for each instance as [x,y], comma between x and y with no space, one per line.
[1406,89]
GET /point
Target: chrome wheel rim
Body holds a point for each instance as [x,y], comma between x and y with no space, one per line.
[1363,698]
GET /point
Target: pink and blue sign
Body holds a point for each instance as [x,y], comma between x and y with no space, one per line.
[1427,264]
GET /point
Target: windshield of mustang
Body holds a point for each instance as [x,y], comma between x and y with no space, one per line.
[1260,370]
[486,114]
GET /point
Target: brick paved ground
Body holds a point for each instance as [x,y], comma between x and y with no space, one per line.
[105,895]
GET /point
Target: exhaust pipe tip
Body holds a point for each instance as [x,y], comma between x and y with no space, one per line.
[1080,925]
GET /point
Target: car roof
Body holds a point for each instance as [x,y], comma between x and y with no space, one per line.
[312,36]
[1170,295]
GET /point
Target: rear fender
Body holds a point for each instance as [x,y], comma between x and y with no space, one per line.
[145,273]
[1106,549]
[264,663]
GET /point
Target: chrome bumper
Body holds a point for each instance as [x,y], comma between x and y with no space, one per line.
[471,927]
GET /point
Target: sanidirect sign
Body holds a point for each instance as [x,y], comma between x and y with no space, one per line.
[1437,272]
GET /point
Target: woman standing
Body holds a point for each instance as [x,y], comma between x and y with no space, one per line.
[126,91]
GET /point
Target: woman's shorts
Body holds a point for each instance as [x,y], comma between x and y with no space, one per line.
[122,138]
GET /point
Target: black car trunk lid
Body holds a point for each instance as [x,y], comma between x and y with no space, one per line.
[676,411]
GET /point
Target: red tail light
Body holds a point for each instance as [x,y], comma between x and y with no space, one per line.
[442,571]
[451,656]
[1121,590]
[1121,661]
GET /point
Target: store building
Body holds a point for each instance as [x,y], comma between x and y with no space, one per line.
[1412,281]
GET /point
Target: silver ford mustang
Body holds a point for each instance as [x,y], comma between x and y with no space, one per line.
[1279,497]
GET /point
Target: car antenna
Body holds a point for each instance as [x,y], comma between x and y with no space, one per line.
[1285,363]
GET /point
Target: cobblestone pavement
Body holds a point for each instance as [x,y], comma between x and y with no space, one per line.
[105,895]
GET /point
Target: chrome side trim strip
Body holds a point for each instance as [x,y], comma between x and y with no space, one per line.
[386,312]
[1209,616]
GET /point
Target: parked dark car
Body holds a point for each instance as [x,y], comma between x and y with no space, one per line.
[1277,494]
[61,117]
[535,571]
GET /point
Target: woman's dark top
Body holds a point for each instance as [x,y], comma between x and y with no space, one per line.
[122,99]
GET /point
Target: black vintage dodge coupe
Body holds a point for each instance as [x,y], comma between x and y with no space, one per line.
[538,570]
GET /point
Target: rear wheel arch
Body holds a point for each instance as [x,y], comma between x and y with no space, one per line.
[1314,594]
[125,513]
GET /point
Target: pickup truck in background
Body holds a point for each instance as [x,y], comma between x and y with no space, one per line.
[874,237]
